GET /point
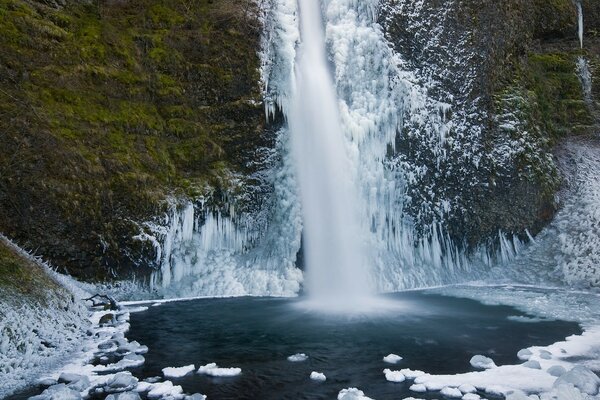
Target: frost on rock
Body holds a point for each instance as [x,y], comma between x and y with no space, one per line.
[451,393]
[582,378]
[214,370]
[482,362]
[352,394]
[419,388]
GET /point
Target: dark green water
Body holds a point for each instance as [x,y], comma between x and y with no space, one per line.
[433,333]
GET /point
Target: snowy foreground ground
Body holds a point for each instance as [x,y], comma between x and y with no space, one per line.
[563,370]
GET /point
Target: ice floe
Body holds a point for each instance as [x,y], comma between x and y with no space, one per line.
[178,372]
[318,376]
[392,359]
[213,369]
[298,357]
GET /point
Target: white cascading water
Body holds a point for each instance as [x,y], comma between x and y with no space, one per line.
[580,22]
[336,266]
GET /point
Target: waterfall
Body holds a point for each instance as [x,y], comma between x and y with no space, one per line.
[580,22]
[336,267]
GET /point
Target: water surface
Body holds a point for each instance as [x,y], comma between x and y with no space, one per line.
[433,333]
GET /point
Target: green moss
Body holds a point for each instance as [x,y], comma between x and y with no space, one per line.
[556,88]
[111,107]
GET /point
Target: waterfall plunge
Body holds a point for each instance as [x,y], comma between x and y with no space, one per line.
[336,272]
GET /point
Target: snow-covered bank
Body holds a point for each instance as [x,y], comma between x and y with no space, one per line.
[42,320]
[563,370]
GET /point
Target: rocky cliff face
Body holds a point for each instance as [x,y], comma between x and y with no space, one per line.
[109,108]
[508,73]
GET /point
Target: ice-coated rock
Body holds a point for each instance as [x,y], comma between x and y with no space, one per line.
[394,376]
[318,376]
[58,392]
[466,388]
[557,370]
[482,362]
[392,359]
[124,396]
[524,354]
[121,382]
[451,392]
[195,396]
[545,355]
[418,387]
[352,394]
[532,364]
[582,378]
[165,389]
[471,396]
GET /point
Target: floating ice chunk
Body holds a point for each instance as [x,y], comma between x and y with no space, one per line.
[178,372]
[213,369]
[582,378]
[524,354]
[411,374]
[419,388]
[164,390]
[58,392]
[394,376]
[352,394]
[471,396]
[532,364]
[318,376]
[557,370]
[392,359]
[298,357]
[466,388]
[482,362]
[451,392]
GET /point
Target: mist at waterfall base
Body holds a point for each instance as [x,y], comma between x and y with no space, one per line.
[336,265]
[432,333]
